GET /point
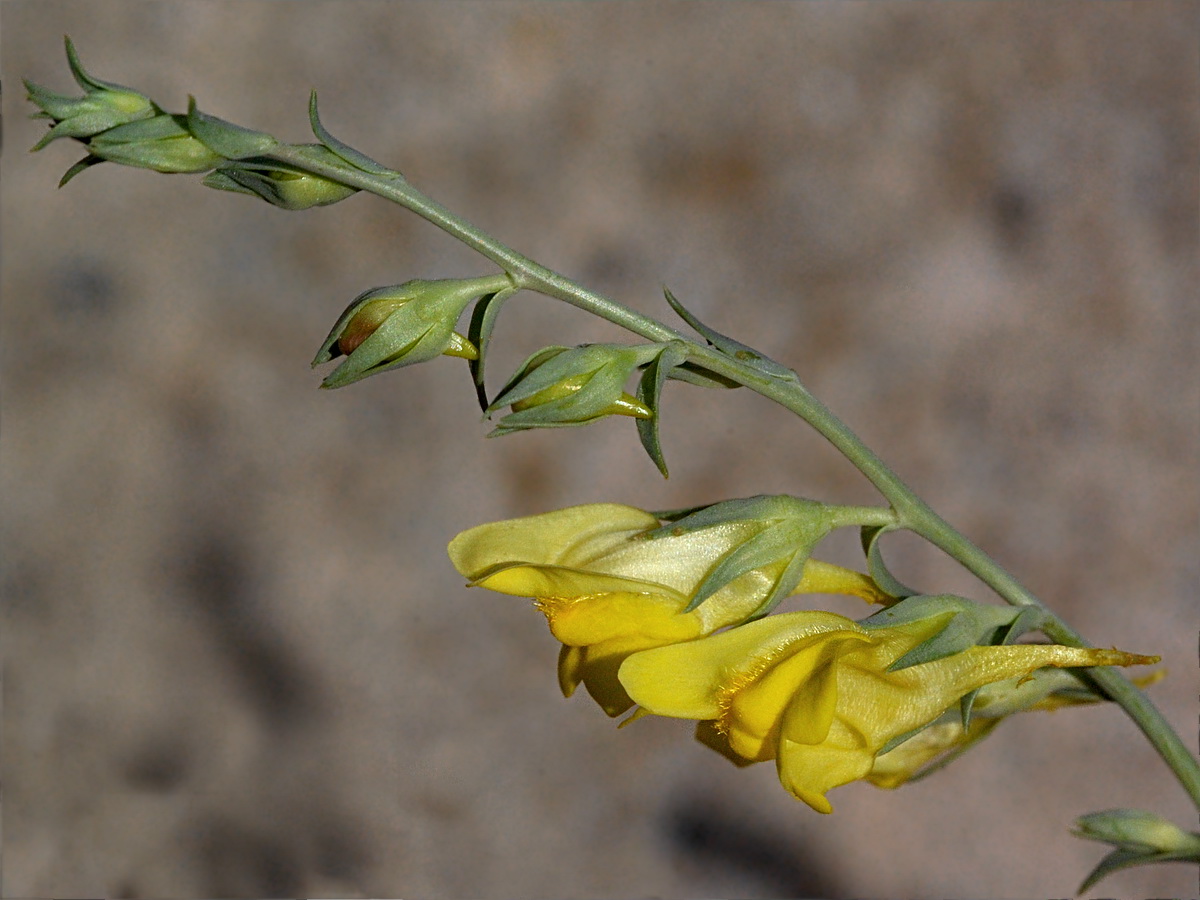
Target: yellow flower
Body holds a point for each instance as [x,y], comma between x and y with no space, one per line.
[812,690]
[607,593]
[1046,689]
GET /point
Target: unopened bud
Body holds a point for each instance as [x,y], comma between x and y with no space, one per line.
[559,387]
[162,143]
[103,106]
[1136,830]
[280,184]
[403,324]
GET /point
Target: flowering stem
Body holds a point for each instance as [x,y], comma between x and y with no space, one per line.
[910,510]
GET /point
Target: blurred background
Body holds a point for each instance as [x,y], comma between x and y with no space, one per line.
[238,662]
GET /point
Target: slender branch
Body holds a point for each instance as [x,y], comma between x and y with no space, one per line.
[913,513]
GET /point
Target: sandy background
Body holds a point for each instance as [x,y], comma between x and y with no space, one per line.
[238,662]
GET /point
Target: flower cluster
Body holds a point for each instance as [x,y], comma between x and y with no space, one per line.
[830,700]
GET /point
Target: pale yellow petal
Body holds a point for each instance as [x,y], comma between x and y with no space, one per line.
[564,537]
[826,578]
[561,582]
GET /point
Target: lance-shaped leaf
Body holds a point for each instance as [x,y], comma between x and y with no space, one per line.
[344,151]
[650,391]
[83,79]
[701,377]
[483,322]
[729,346]
[86,163]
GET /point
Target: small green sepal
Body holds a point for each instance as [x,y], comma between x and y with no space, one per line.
[968,623]
[790,528]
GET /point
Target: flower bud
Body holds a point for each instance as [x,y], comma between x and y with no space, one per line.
[103,106]
[402,324]
[559,386]
[1140,838]
[1136,830]
[280,184]
[162,143]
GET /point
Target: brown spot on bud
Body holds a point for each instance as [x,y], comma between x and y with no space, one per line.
[366,322]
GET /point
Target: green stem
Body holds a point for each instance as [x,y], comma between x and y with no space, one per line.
[912,512]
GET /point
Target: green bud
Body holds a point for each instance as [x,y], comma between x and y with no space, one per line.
[280,184]
[1136,830]
[162,143]
[559,387]
[103,106]
[1140,838]
[403,324]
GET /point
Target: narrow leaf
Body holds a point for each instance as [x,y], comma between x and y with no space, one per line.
[82,78]
[649,391]
[356,158]
[1127,859]
[729,346]
[483,321]
[86,163]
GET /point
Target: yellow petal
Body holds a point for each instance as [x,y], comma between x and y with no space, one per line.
[596,667]
[689,680]
[602,617]
[826,578]
[570,668]
[809,770]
